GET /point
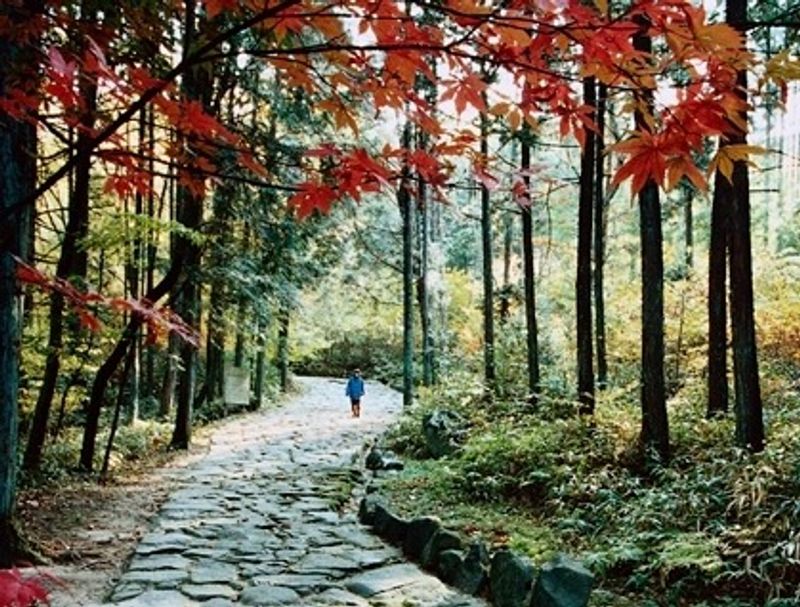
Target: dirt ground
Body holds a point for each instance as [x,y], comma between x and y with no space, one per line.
[87,531]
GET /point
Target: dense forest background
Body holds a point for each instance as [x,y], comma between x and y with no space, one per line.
[572,224]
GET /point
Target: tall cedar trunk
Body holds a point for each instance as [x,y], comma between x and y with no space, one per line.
[189,214]
[583,281]
[406,205]
[17,182]
[655,425]
[488,280]
[72,265]
[747,388]
[717,298]
[424,296]
[260,371]
[151,249]
[238,350]
[505,297]
[283,348]
[215,342]
[688,234]
[600,241]
[532,331]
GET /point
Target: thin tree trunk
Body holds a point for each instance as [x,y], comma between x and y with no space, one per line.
[260,373]
[488,279]
[600,241]
[688,235]
[110,365]
[17,183]
[655,425]
[283,348]
[405,202]
[717,299]
[583,282]
[423,280]
[505,297]
[532,331]
[123,382]
[747,388]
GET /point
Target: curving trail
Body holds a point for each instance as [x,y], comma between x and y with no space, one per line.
[252,522]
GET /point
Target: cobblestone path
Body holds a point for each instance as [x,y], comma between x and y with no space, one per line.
[252,523]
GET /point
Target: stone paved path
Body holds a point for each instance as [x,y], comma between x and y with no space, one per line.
[252,523]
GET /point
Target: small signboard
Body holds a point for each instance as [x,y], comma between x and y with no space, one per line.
[237,386]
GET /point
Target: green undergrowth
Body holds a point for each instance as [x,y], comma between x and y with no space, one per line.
[715,527]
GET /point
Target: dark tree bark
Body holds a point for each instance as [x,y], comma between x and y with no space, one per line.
[260,373]
[717,299]
[688,234]
[747,387]
[424,298]
[505,297]
[488,279]
[196,85]
[583,282]
[405,202]
[17,182]
[532,331]
[655,426]
[283,347]
[600,241]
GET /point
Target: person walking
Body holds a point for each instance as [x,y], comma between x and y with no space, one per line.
[355,390]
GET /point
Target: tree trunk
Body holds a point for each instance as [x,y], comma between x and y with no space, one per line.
[283,348]
[583,281]
[655,426]
[260,373]
[424,296]
[488,279]
[532,331]
[717,299]
[747,388]
[505,297]
[17,183]
[197,86]
[600,241]
[406,205]
[688,234]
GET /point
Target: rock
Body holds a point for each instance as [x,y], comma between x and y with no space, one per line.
[367,509]
[443,431]
[440,541]
[202,592]
[510,579]
[384,579]
[449,565]
[473,575]
[388,526]
[563,582]
[382,460]
[419,533]
[374,459]
[261,596]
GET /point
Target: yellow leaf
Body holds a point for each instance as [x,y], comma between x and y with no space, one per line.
[602,6]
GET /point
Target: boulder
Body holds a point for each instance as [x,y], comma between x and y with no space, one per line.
[473,574]
[378,459]
[420,531]
[390,527]
[449,565]
[443,431]
[367,509]
[440,541]
[563,582]
[510,579]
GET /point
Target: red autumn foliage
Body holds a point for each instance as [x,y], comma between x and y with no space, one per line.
[17,590]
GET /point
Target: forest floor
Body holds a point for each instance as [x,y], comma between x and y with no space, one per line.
[258,511]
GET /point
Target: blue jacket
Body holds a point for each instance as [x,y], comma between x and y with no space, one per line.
[355,388]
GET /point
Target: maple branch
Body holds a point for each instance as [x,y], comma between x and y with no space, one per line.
[198,56]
